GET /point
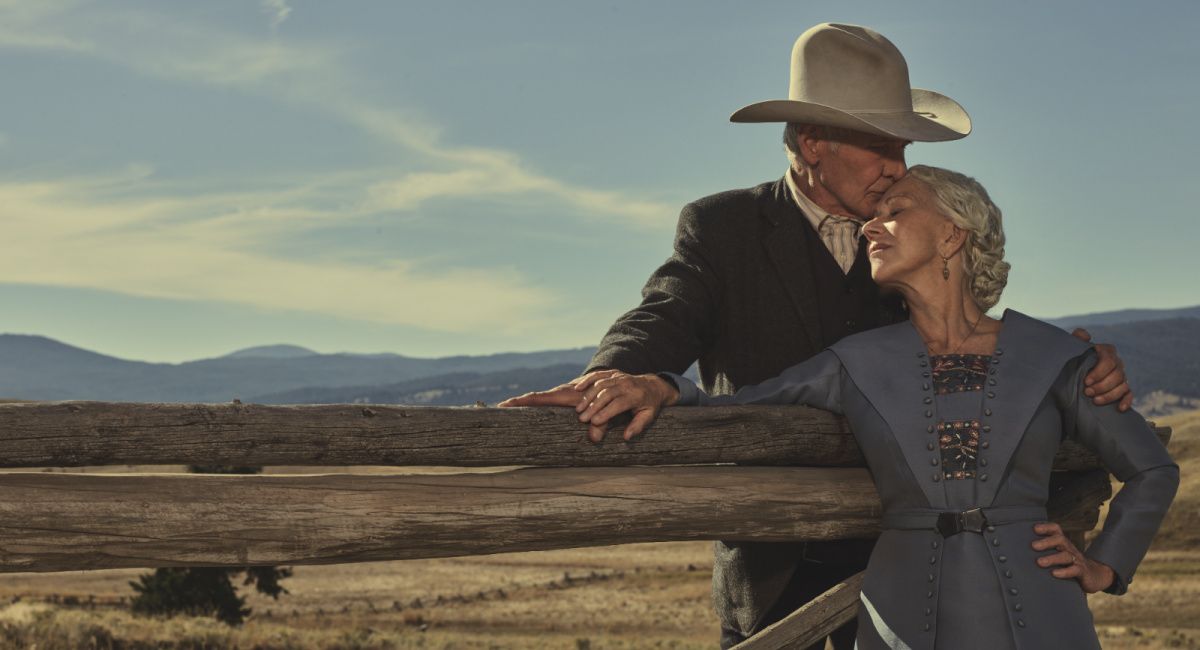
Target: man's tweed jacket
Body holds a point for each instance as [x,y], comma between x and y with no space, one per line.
[739,295]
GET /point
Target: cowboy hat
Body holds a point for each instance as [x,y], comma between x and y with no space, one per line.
[852,77]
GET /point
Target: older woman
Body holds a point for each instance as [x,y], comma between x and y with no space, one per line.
[959,416]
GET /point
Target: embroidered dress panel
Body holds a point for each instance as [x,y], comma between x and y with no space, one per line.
[957,373]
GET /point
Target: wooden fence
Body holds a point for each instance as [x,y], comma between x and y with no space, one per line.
[732,473]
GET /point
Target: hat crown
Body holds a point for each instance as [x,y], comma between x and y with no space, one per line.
[851,68]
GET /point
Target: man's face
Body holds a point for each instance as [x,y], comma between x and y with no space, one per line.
[858,170]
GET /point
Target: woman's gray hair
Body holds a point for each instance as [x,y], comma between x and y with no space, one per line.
[963,201]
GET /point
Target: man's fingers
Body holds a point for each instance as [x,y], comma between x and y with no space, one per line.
[596,432]
[1126,402]
[584,382]
[561,396]
[600,385]
[1105,365]
[599,402]
[613,408]
[1081,334]
[1110,396]
[641,420]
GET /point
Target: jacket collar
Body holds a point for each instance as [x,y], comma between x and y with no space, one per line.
[890,366]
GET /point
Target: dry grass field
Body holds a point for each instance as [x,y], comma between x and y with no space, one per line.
[636,596]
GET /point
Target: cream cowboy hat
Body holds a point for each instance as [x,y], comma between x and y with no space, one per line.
[852,77]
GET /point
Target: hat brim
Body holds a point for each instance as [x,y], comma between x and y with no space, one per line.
[934,118]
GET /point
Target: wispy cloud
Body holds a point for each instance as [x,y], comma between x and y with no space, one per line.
[67,233]
[277,10]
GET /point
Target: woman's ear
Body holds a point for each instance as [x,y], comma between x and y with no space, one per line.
[955,239]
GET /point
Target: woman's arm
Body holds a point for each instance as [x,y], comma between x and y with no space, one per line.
[1129,449]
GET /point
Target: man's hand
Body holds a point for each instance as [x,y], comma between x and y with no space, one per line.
[1069,562]
[1106,382]
[564,395]
[608,393]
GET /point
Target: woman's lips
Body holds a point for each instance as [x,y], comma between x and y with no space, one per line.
[875,248]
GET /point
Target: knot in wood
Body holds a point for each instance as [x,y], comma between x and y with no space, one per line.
[368,413]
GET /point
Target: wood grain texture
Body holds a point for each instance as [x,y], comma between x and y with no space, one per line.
[59,522]
[74,434]
[812,622]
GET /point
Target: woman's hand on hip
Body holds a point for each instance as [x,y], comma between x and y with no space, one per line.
[608,393]
[1068,562]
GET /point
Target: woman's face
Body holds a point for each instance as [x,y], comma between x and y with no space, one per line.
[905,236]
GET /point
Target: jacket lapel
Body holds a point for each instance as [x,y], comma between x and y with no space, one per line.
[890,368]
[784,242]
[1029,356]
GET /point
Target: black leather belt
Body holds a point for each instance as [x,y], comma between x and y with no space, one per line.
[975,520]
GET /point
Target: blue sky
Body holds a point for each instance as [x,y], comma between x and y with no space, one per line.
[178,180]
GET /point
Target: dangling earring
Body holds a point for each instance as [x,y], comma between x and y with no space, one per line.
[946,269]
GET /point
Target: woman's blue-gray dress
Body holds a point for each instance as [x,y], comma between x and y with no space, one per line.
[960,448]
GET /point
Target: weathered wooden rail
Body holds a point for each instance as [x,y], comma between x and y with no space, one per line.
[733,473]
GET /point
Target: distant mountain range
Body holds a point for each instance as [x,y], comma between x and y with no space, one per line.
[1161,352]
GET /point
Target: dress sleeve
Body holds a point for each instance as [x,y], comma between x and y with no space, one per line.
[816,382]
[1132,452]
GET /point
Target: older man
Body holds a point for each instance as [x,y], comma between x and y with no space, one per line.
[765,277]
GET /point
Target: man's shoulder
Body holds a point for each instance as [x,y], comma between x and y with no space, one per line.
[733,206]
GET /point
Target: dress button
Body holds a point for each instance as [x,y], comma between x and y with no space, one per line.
[987,428]
[1018,607]
[1013,591]
[928,611]
[995,362]
[925,374]
[933,461]
[991,395]
[1003,558]
[920,355]
[1008,573]
[928,400]
[987,411]
[992,371]
[929,428]
[850,324]
[929,446]
[933,544]
[999,352]
[983,462]
[1020,623]
[991,529]
[933,559]
[991,382]
[931,577]
[937,476]
[985,444]
[924,363]
[928,413]
[929,594]
[995,541]
[924,386]
[983,477]
[925,627]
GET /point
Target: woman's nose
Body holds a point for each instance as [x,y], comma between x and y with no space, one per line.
[870,229]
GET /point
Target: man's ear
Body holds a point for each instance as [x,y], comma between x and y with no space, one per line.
[811,147]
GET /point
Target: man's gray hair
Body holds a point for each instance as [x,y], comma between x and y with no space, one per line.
[963,201]
[791,140]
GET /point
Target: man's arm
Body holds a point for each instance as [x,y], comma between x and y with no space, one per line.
[670,328]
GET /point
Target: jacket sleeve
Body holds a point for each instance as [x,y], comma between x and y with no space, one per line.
[816,382]
[1132,452]
[674,323]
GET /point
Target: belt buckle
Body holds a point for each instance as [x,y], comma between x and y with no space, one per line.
[974,520]
[953,523]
